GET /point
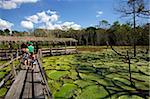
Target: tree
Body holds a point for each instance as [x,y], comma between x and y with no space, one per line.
[2,32]
[91,35]
[104,24]
[17,33]
[7,32]
[135,8]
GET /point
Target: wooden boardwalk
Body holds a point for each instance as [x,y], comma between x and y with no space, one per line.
[29,84]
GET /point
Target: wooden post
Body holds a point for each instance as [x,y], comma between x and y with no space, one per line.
[65,48]
[40,53]
[17,53]
[70,43]
[129,67]
[50,48]
[37,47]
[76,47]
[12,66]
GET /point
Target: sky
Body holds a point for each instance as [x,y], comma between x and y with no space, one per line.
[24,15]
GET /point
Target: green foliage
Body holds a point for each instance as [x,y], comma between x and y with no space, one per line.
[116,34]
[57,74]
[66,91]
[3,91]
[93,92]
[130,97]
[96,75]
[2,74]
[84,83]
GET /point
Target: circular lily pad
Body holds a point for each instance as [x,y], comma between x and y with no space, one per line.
[57,74]
[66,91]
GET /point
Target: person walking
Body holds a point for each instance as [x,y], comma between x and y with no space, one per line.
[25,54]
[32,56]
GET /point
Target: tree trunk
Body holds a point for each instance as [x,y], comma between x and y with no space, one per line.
[134,24]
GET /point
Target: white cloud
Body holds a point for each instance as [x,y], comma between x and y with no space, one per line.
[43,17]
[5,24]
[8,5]
[49,20]
[25,1]
[98,13]
[33,18]
[48,16]
[68,25]
[54,17]
[57,26]
[12,4]
[27,24]
[49,26]
[76,27]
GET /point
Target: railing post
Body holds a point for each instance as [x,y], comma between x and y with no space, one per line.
[40,53]
[17,54]
[70,43]
[65,48]
[12,66]
[51,50]
[76,47]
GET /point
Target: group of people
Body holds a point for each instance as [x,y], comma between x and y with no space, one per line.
[28,57]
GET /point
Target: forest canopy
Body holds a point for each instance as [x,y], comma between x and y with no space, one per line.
[115,34]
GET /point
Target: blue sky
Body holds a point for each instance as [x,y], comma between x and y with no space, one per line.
[69,13]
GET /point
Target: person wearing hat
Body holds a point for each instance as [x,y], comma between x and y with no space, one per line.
[30,47]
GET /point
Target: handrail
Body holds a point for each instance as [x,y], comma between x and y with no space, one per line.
[59,48]
[7,77]
[43,76]
[6,64]
[5,80]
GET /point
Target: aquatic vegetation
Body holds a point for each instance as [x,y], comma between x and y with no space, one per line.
[96,75]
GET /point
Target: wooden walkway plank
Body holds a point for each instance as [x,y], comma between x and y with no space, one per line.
[30,84]
[27,93]
[16,88]
[44,79]
[38,87]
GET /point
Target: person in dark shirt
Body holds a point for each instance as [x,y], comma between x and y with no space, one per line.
[23,45]
[25,54]
[23,48]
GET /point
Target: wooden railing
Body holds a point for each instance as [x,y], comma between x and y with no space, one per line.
[5,54]
[10,74]
[58,51]
[44,80]
[42,52]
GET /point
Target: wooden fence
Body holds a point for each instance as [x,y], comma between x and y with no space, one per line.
[5,54]
[58,51]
